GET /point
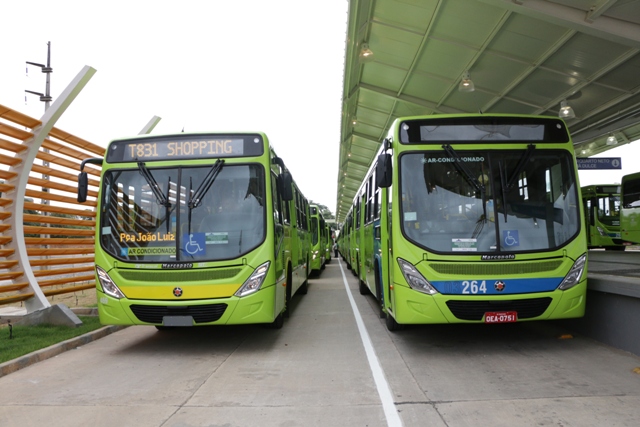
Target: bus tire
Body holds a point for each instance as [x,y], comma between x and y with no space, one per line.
[278,322]
[392,325]
[363,288]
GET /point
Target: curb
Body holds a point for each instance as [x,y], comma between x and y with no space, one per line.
[21,362]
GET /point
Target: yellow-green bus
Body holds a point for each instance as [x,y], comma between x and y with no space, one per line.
[318,240]
[630,212]
[602,210]
[472,218]
[195,229]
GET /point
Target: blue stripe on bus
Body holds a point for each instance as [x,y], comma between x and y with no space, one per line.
[497,286]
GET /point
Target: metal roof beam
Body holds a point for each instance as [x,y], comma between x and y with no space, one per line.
[598,9]
[615,30]
[410,99]
[494,32]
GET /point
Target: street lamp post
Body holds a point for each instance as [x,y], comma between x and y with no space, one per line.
[46,98]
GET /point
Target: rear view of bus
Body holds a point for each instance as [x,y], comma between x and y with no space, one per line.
[485,221]
[185,231]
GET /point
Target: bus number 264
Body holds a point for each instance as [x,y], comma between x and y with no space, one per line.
[473,287]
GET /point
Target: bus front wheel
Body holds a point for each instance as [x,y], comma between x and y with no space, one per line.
[278,322]
[392,325]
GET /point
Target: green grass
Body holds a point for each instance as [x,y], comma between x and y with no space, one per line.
[27,339]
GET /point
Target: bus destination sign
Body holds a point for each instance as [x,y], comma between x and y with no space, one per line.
[181,147]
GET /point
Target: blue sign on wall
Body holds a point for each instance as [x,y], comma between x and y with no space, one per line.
[593,163]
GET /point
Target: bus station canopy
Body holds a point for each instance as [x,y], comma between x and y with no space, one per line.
[523,57]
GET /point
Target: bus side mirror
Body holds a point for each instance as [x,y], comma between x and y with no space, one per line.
[383,171]
[83,186]
[287,191]
[83,179]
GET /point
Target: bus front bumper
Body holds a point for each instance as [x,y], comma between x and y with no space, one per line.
[412,307]
[254,308]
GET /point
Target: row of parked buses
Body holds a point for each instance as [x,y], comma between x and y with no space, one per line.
[470,218]
[613,214]
[198,229]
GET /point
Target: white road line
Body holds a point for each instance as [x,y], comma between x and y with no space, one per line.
[390,412]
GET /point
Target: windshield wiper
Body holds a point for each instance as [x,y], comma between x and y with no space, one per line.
[503,185]
[157,191]
[521,164]
[195,197]
[464,171]
[155,187]
[507,185]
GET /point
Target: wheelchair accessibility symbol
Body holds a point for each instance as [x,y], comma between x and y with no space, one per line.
[194,243]
[510,238]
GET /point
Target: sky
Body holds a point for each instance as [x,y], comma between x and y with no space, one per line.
[274,66]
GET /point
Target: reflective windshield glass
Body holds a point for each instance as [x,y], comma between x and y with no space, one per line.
[488,201]
[609,210]
[143,225]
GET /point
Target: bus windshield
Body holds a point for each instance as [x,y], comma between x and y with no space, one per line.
[608,209]
[152,220]
[489,201]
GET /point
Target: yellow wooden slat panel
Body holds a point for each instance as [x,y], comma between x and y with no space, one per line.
[17,117]
[81,211]
[29,229]
[61,261]
[15,298]
[56,251]
[64,280]
[13,287]
[58,271]
[66,290]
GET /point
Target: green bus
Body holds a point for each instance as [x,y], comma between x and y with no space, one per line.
[318,240]
[630,212]
[298,238]
[472,218]
[328,243]
[602,210]
[196,229]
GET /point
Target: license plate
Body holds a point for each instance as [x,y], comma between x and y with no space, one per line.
[177,321]
[501,317]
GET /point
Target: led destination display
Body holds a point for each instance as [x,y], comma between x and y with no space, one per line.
[180,147]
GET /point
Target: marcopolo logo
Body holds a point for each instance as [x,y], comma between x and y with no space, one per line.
[177,265]
[497,257]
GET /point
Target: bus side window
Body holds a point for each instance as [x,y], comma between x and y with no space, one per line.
[275,197]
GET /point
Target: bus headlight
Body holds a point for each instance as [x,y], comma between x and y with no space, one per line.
[254,282]
[601,231]
[573,277]
[108,286]
[415,280]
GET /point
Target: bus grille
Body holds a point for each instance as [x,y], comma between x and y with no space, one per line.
[200,313]
[489,269]
[178,275]
[475,310]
